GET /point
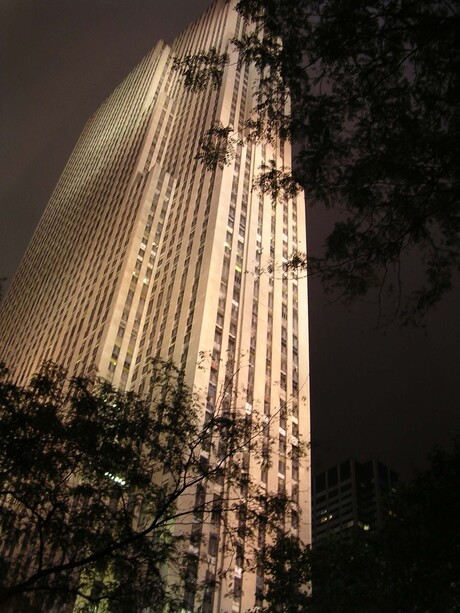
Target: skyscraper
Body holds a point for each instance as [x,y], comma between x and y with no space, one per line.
[143,251]
[350,496]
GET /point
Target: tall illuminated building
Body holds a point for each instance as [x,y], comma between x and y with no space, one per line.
[142,251]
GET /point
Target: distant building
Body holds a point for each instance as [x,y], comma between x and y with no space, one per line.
[350,495]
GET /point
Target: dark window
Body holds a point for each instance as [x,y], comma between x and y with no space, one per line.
[320,482]
[345,471]
[332,476]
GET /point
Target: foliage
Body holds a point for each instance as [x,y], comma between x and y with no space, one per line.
[369,92]
[421,542]
[91,486]
[411,565]
[217,147]
[203,68]
[278,182]
[287,567]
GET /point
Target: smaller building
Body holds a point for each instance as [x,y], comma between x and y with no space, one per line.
[350,495]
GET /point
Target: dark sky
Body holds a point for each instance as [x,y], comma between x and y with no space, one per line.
[386,393]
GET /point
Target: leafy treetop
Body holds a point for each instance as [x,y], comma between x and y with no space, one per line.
[369,93]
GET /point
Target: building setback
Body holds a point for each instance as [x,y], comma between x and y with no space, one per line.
[143,251]
[350,495]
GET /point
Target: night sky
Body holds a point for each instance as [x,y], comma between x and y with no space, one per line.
[388,393]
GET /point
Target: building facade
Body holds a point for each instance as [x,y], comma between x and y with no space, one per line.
[350,495]
[143,251]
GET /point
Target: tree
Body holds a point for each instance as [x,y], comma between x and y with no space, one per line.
[420,545]
[346,575]
[287,569]
[93,483]
[373,90]
[412,564]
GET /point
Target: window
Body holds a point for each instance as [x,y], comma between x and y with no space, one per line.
[237,587]
[216,510]
[200,498]
[213,545]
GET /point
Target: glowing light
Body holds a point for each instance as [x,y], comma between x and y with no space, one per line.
[115,478]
